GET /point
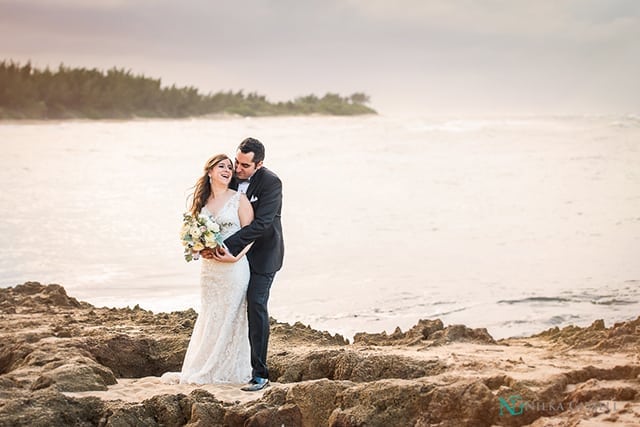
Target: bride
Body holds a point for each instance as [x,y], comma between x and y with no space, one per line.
[219,349]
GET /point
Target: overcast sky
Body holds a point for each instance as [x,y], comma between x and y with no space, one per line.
[436,57]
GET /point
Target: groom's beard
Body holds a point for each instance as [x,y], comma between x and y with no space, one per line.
[239,180]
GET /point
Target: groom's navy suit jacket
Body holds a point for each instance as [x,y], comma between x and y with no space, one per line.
[265,194]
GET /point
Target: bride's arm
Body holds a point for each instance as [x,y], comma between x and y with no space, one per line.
[245,212]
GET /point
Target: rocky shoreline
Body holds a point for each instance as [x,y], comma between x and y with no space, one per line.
[66,362]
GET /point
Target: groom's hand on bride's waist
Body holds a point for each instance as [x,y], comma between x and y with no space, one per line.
[223,255]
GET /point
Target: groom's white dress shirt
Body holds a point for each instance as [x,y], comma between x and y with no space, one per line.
[242,187]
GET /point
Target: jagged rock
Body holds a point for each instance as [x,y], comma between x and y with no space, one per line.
[421,331]
[170,410]
[389,402]
[136,356]
[429,332]
[620,336]
[460,333]
[349,365]
[286,415]
[316,400]
[203,409]
[33,297]
[77,374]
[466,403]
[48,407]
[12,355]
[592,390]
[128,415]
[300,333]
[401,402]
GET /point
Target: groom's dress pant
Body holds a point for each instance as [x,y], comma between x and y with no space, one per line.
[257,299]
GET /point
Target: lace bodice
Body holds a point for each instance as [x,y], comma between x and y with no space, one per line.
[227,217]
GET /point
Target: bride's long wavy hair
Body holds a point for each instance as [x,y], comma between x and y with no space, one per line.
[202,189]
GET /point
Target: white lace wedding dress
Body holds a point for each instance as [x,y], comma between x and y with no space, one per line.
[219,349]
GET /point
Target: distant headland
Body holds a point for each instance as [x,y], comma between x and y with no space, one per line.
[27,92]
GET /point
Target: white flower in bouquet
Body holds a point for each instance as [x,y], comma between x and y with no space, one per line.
[214,227]
[210,240]
[195,231]
[209,223]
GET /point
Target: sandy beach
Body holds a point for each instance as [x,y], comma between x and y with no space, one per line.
[140,389]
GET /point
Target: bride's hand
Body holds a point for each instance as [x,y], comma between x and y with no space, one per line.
[207,253]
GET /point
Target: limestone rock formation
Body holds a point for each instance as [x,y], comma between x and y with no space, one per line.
[61,360]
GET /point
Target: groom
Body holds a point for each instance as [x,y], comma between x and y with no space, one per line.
[264,190]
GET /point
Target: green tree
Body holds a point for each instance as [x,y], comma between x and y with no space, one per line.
[27,92]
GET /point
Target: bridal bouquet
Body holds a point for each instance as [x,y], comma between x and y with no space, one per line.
[198,233]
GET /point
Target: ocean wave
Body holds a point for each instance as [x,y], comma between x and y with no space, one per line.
[535,299]
[558,320]
[614,301]
[455,310]
[467,125]
[629,121]
[593,299]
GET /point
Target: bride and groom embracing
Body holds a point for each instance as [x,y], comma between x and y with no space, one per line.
[231,334]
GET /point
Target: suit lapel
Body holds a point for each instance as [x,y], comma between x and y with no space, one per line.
[254,184]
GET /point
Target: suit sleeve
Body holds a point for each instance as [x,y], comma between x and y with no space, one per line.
[269,206]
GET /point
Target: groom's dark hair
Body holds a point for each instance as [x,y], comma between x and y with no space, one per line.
[252,145]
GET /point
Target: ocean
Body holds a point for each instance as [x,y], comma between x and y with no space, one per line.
[514,224]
